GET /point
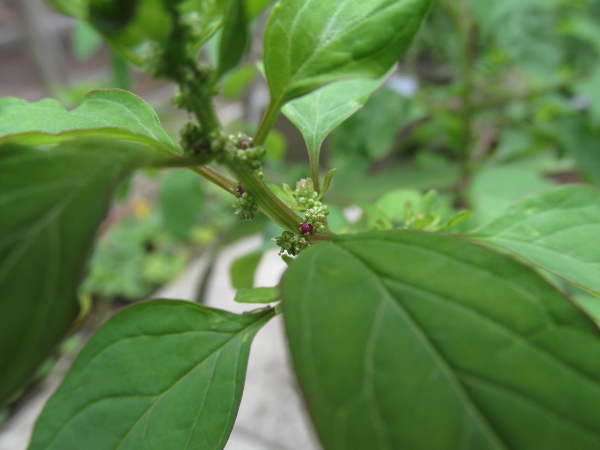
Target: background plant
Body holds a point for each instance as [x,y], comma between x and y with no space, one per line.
[402,335]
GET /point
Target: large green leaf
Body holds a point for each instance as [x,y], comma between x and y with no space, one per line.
[310,43]
[160,375]
[557,230]
[110,113]
[51,203]
[319,113]
[405,339]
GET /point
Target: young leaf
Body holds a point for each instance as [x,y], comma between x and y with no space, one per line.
[556,230]
[159,375]
[51,203]
[405,339]
[181,200]
[234,37]
[110,113]
[310,43]
[319,113]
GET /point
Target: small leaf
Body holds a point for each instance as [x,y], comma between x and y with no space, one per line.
[327,181]
[556,230]
[319,113]
[243,269]
[234,37]
[258,295]
[51,203]
[416,340]
[110,113]
[181,200]
[159,375]
[310,43]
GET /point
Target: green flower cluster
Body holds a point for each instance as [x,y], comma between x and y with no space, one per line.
[291,243]
[315,218]
[308,200]
[246,154]
[245,206]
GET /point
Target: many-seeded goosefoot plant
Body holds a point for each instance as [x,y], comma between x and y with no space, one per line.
[400,339]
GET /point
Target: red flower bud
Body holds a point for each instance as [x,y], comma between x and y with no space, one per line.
[306,228]
[243,144]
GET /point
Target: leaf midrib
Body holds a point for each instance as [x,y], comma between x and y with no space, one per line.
[432,349]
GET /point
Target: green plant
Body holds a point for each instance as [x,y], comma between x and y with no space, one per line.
[402,334]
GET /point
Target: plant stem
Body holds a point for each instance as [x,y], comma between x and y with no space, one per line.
[202,105]
[268,202]
[266,123]
[216,177]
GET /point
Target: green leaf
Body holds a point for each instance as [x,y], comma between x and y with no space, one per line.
[415,340]
[110,113]
[159,375]
[234,38]
[243,269]
[310,43]
[181,200]
[258,295]
[319,113]
[51,203]
[556,230]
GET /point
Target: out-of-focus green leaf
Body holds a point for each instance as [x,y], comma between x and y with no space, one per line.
[234,37]
[258,295]
[556,230]
[110,113]
[243,269]
[86,41]
[370,133]
[236,83]
[415,340]
[51,203]
[181,201]
[159,375]
[255,7]
[493,190]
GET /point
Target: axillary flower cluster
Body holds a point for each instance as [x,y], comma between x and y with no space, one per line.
[315,218]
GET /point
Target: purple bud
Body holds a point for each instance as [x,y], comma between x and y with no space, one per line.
[306,228]
[243,144]
[240,190]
